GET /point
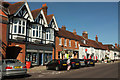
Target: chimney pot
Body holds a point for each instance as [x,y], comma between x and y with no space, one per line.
[85,34]
[96,38]
[44,7]
[63,27]
[74,32]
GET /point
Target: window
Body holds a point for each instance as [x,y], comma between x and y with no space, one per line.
[37,31]
[60,41]
[69,43]
[75,44]
[50,34]
[19,26]
[65,42]
[15,29]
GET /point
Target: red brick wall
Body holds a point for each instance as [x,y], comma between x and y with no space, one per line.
[59,48]
[3,34]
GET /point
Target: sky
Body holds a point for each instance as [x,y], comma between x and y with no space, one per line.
[97,18]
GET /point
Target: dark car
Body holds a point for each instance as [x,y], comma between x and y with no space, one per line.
[75,63]
[82,62]
[89,62]
[57,64]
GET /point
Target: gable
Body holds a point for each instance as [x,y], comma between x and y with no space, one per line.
[24,12]
[52,23]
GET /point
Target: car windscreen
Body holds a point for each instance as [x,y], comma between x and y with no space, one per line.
[81,59]
[74,60]
[10,61]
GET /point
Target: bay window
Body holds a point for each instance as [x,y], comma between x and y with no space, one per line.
[19,26]
[37,31]
[50,34]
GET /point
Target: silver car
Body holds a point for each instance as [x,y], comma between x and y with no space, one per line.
[13,67]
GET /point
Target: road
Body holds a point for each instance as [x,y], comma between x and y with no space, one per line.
[109,70]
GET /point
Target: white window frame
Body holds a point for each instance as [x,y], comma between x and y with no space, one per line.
[65,42]
[60,41]
[17,26]
[75,44]
[39,29]
[69,43]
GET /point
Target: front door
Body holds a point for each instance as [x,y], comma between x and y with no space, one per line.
[40,59]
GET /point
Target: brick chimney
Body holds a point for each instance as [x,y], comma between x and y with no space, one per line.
[116,45]
[96,38]
[74,32]
[44,7]
[85,34]
[63,27]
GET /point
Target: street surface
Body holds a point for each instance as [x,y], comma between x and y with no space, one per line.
[109,70]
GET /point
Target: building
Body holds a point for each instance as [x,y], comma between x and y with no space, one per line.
[67,45]
[30,34]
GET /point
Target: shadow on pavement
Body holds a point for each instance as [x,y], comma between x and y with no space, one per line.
[16,77]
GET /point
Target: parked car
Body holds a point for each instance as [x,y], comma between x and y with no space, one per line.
[75,63]
[89,62]
[82,62]
[57,64]
[12,67]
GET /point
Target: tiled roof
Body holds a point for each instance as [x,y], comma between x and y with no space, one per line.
[93,43]
[35,12]
[66,34]
[13,8]
[49,18]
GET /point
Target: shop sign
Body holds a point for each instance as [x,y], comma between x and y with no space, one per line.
[85,50]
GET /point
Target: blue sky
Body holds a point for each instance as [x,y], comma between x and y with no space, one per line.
[97,18]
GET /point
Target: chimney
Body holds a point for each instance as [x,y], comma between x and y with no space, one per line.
[85,34]
[63,27]
[44,7]
[116,45]
[96,38]
[74,32]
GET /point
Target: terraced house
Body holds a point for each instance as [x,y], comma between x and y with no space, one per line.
[30,34]
[72,45]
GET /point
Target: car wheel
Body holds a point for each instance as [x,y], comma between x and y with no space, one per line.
[57,68]
[47,67]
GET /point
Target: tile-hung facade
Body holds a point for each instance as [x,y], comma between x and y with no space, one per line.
[31,34]
[3,31]
[67,44]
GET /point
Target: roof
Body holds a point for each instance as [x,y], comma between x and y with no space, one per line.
[13,8]
[49,18]
[35,13]
[65,34]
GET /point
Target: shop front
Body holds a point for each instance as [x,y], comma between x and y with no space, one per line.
[39,55]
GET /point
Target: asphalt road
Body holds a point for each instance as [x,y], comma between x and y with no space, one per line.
[109,70]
